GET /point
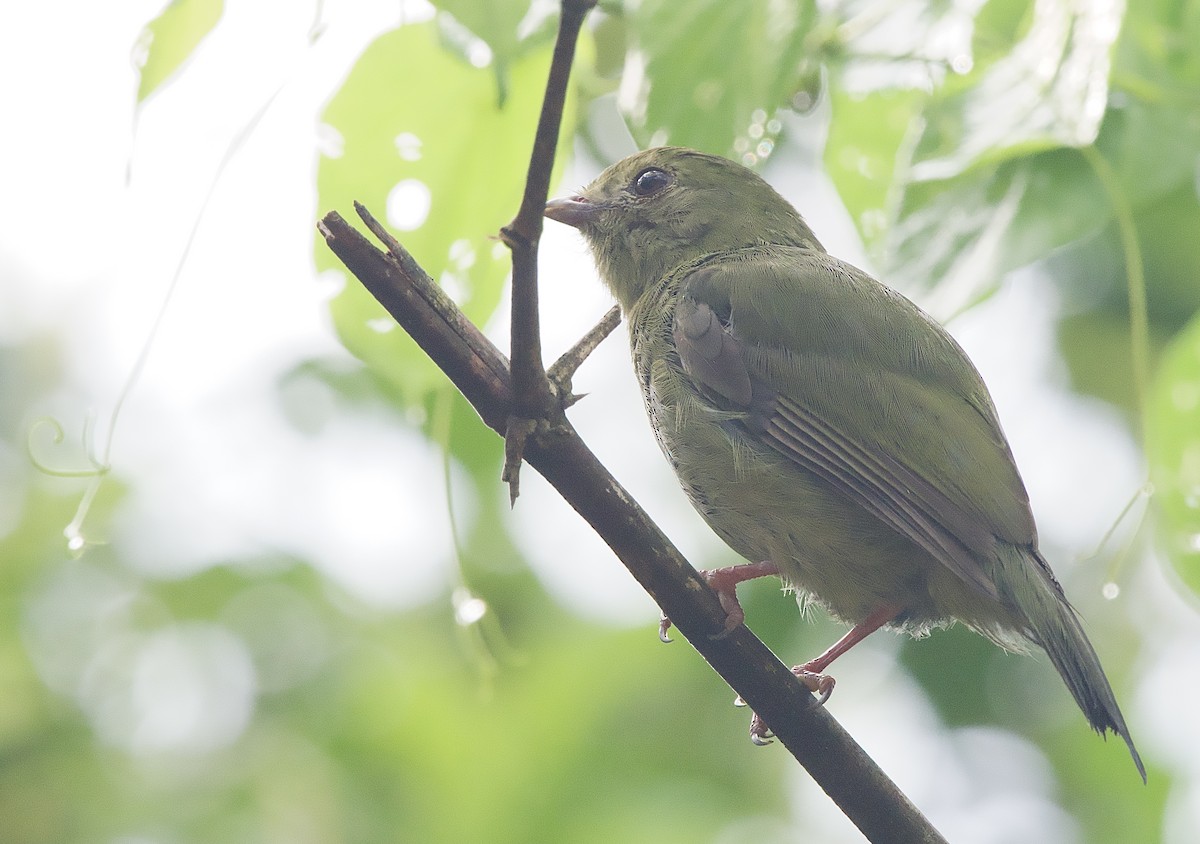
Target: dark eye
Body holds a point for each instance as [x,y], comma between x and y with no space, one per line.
[651,181]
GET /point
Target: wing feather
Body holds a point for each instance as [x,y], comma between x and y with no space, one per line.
[842,376]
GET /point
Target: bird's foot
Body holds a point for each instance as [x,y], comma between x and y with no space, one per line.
[724,582]
[819,684]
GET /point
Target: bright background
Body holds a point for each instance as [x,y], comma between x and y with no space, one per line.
[297,607]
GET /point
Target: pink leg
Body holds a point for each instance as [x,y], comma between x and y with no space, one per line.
[811,673]
[724,582]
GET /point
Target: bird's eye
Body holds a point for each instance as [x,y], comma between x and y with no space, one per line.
[651,181]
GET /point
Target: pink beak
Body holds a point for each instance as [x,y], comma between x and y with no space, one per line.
[574,211]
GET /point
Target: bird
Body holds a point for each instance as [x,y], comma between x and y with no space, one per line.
[826,428]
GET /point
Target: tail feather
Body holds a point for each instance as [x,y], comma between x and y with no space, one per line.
[1054,625]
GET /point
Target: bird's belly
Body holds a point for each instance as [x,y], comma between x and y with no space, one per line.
[766,508]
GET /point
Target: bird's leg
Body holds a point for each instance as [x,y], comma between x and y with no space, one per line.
[724,582]
[811,673]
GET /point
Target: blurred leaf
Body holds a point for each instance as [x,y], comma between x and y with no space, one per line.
[973,165]
[1173,449]
[1131,139]
[1090,273]
[445,179]
[610,34]
[709,66]
[509,29]
[1051,90]
[865,135]
[999,25]
[169,40]
[536,750]
[952,666]
[1156,58]
[1102,788]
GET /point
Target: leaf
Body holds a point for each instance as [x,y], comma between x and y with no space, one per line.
[866,132]
[508,28]
[443,165]
[999,26]
[1173,449]
[1050,91]
[989,186]
[170,39]
[715,72]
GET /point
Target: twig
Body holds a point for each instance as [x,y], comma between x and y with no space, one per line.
[531,389]
[862,791]
[563,370]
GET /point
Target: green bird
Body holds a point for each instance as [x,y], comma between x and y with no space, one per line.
[822,424]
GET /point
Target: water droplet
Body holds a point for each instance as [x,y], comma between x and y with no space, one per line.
[468,609]
[408,146]
[381,325]
[873,222]
[962,63]
[408,204]
[462,254]
[479,53]
[1110,591]
[758,116]
[330,142]
[803,102]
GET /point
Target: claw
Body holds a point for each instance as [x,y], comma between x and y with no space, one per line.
[819,684]
[664,624]
[760,733]
[724,582]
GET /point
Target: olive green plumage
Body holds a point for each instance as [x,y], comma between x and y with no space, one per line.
[817,419]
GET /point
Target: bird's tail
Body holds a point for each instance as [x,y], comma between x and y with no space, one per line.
[1054,625]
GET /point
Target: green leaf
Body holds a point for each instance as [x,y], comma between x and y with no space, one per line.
[1050,91]
[169,40]
[866,133]
[509,28]
[1174,451]
[1156,57]
[716,72]
[999,25]
[989,185]
[443,165]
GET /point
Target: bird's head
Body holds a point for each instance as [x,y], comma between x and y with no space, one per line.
[655,210]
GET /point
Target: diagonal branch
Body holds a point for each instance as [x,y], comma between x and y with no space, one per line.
[862,791]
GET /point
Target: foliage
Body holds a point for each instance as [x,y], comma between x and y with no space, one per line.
[964,140]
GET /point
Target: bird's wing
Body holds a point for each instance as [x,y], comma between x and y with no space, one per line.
[856,385]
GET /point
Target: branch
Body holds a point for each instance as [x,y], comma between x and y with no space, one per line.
[862,791]
[532,394]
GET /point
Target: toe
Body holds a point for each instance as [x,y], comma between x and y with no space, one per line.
[664,624]
[819,684]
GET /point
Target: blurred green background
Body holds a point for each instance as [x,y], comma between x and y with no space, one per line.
[259,581]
